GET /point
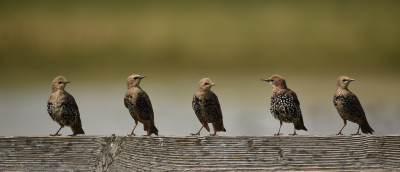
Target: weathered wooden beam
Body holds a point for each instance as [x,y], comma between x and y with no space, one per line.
[221,153]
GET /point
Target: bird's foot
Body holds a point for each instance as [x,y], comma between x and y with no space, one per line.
[278,134]
[146,135]
[55,135]
[131,134]
[338,134]
[72,135]
[293,134]
[195,134]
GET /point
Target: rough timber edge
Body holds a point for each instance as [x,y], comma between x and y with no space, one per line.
[189,136]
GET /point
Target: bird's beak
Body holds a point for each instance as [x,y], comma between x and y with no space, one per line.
[265,80]
[212,84]
[142,76]
[67,82]
[351,80]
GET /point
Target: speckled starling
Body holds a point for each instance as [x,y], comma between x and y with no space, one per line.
[349,107]
[62,107]
[138,103]
[206,107]
[284,104]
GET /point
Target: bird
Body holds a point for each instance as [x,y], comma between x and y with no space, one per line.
[138,103]
[207,108]
[62,108]
[349,107]
[285,106]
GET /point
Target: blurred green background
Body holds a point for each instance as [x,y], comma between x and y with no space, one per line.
[98,44]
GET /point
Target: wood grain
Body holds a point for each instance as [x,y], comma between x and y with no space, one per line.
[204,153]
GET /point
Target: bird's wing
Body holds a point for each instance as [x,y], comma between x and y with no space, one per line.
[197,109]
[143,107]
[71,104]
[217,105]
[50,107]
[149,106]
[71,107]
[126,101]
[357,103]
[294,96]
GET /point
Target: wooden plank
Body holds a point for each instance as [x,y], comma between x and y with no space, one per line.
[50,153]
[187,153]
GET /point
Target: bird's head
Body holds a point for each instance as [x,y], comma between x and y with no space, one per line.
[205,84]
[344,81]
[276,81]
[134,80]
[59,83]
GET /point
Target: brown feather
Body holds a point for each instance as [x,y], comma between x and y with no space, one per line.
[63,108]
[139,105]
[207,107]
[348,105]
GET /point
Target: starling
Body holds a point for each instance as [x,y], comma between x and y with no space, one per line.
[349,107]
[138,103]
[206,107]
[62,107]
[284,104]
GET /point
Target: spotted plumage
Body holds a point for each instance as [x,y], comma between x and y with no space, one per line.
[285,105]
[207,108]
[62,108]
[349,107]
[138,103]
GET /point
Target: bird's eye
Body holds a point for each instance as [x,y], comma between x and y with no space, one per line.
[59,82]
[344,80]
[272,80]
[205,83]
[135,77]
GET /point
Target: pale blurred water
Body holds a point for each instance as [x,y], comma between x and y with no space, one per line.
[245,108]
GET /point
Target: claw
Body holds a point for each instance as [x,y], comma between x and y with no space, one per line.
[55,135]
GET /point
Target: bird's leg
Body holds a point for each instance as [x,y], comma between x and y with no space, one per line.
[198,133]
[340,132]
[57,132]
[279,130]
[148,129]
[294,132]
[358,131]
[215,134]
[215,131]
[132,134]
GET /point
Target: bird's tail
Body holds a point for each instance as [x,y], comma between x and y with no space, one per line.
[206,126]
[219,126]
[365,128]
[77,128]
[299,124]
[153,128]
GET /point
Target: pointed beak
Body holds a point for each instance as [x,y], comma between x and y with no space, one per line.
[351,80]
[212,84]
[67,82]
[142,76]
[265,80]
